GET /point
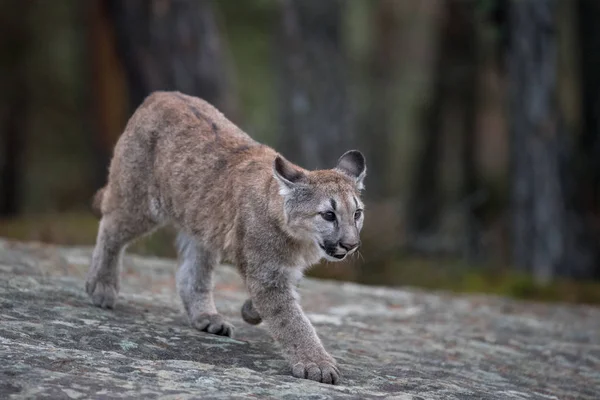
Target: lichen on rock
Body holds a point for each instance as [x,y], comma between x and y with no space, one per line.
[389,343]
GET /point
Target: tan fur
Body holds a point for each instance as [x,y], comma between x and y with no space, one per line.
[180,161]
[97,203]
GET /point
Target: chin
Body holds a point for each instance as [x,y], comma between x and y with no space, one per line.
[333,259]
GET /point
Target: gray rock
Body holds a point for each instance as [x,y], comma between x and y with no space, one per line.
[390,343]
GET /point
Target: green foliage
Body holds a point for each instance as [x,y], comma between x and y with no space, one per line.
[453,275]
[249,28]
[79,229]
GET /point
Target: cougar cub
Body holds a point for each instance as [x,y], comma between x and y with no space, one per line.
[234,200]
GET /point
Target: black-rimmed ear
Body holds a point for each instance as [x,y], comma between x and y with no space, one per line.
[353,164]
[286,174]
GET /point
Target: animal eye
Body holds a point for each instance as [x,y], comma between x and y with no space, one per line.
[328,216]
[357,214]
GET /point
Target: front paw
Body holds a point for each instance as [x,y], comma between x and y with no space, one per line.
[213,323]
[321,370]
[103,294]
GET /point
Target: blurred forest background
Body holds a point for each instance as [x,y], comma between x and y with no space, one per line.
[480,120]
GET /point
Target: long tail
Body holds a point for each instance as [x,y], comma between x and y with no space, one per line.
[97,202]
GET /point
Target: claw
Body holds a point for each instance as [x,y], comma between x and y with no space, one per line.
[213,323]
[323,371]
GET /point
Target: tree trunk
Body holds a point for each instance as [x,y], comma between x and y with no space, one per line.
[467,88]
[383,69]
[454,89]
[172,45]
[14,94]
[108,101]
[537,201]
[315,108]
[584,193]
[589,37]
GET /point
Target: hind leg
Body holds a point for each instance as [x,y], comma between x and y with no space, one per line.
[195,285]
[115,232]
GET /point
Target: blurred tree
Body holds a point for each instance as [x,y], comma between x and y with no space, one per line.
[385,62]
[108,98]
[584,184]
[537,140]
[589,37]
[454,92]
[173,45]
[139,46]
[317,117]
[14,19]
[467,78]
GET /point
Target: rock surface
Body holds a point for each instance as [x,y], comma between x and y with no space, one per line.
[390,343]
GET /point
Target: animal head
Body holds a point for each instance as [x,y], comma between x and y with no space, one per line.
[324,206]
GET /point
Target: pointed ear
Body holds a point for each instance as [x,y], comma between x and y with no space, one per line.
[287,175]
[353,164]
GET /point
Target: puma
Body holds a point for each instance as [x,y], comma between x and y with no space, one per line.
[181,162]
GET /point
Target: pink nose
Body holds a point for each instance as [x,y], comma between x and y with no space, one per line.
[349,246]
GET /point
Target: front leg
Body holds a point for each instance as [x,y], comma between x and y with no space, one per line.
[275,299]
